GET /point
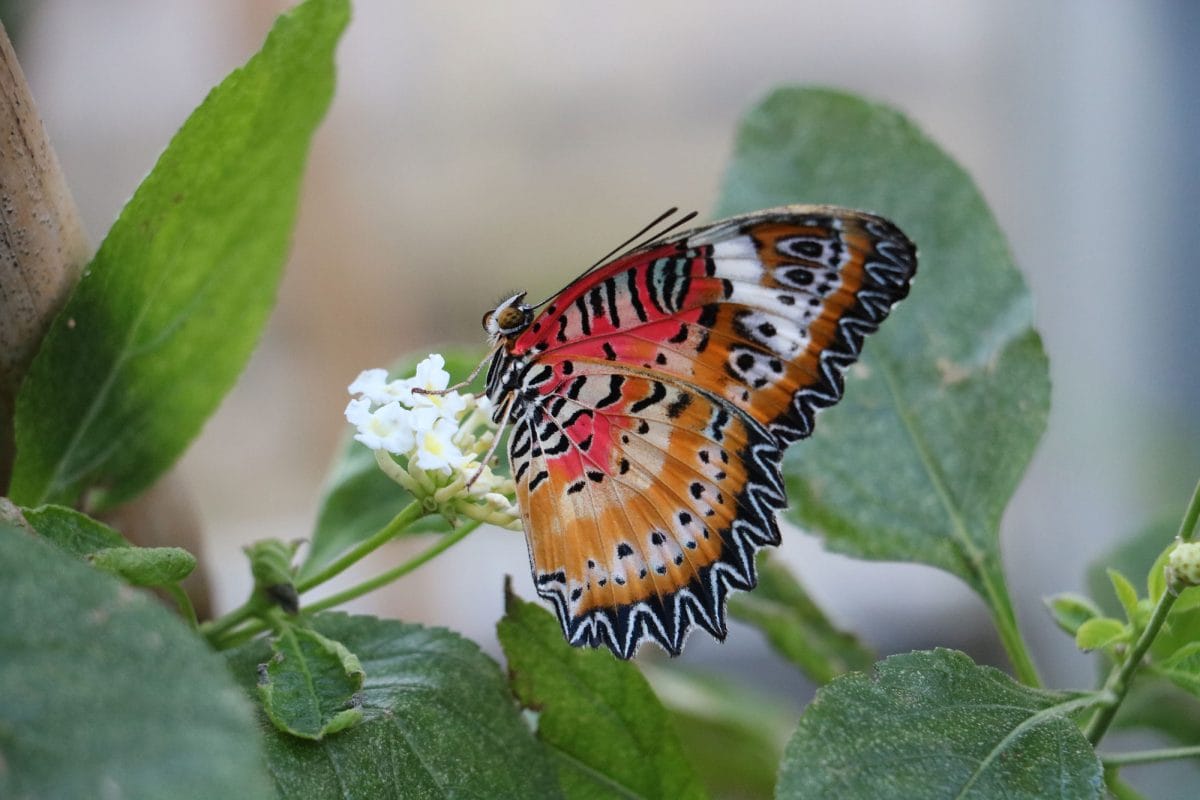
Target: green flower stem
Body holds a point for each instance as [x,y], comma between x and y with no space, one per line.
[213,630]
[444,543]
[1117,685]
[255,627]
[216,631]
[185,604]
[1150,756]
[407,516]
[1005,620]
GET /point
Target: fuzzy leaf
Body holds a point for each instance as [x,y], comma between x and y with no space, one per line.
[107,694]
[310,686]
[1100,632]
[612,736]
[934,724]
[166,314]
[72,530]
[1071,610]
[1126,594]
[145,566]
[438,721]
[942,414]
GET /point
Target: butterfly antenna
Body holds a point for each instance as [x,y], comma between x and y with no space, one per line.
[632,242]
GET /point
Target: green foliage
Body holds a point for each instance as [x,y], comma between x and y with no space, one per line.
[358,498]
[169,309]
[97,681]
[438,721]
[1101,632]
[609,733]
[145,566]
[951,397]
[72,531]
[309,688]
[1070,611]
[934,724]
[796,627]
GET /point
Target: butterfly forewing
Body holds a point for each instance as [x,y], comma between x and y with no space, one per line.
[654,397]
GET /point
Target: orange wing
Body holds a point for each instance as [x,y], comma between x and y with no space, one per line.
[655,395]
[644,500]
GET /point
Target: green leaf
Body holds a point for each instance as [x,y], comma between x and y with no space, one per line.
[1071,610]
[165,316]
[796,627]
[733,734]
[438,721]
[106,694]
[1101,632]
[1126,594]
[310,686]
[934,724]
[359,499]
[597,714]
[72,530]
[951,396]
[1183,668]
[146,566]
[271,566]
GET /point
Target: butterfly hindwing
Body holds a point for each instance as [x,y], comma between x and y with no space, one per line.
[645,501]
[653,397]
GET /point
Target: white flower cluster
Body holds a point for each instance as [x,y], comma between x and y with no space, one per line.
[432,441]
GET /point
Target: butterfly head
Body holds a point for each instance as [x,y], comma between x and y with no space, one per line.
[509,318]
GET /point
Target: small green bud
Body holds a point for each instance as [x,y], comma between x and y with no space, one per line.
[145,566]
[271,565]
[1183,565]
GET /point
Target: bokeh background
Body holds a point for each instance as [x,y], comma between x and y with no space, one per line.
[473,148]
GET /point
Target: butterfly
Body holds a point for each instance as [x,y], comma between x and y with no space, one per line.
[652,398]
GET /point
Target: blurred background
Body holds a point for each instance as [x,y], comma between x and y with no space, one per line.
[476,148]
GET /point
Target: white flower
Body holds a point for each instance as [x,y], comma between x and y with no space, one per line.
[436,449]
[388,427]
[374,386]
[433,379]
[437,439]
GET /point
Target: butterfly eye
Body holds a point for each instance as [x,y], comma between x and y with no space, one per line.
[512,318]
[487,319]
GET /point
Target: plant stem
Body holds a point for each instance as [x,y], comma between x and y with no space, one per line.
[408,515]
[1117,685]
[236,637]
[444,543]
[185,604]
[214,629]
[1150,756]
[1005,620]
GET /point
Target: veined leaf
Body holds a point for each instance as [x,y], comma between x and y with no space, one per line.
[934,724]
[597,714]
[438,721]
[166,314]
[107,694]
[943,412]
[309,687]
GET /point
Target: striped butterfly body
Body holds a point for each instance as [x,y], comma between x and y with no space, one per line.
[652,398]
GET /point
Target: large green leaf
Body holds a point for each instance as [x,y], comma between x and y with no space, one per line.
[934,724]
[106,694]
[438,722]
[796,626]
[951,396]
[359,499]
[169,309]
[72,530]
[597,714]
